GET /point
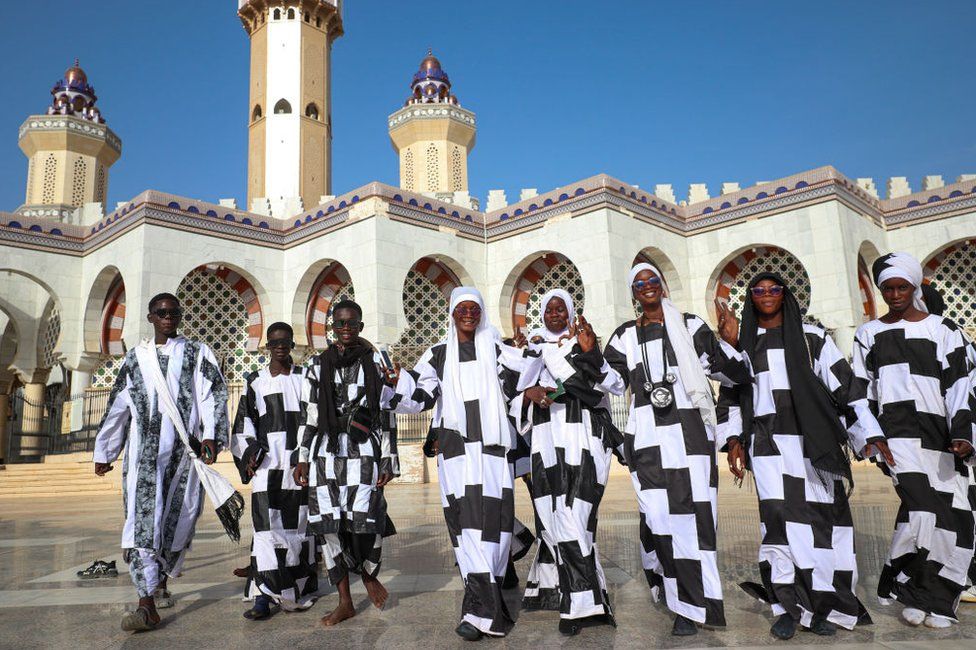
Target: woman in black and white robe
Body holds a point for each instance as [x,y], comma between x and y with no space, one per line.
[283,566]
[917,371]
[469,380]
[572,440]
[666,358]
[791,427]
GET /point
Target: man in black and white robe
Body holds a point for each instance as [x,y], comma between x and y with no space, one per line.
[283,567]
[161,493]
[348,454]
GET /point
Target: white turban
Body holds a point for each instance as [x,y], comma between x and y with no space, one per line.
[904,266]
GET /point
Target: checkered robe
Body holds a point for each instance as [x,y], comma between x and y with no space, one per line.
[161,493]
[671,456]
[346,509]
[571,454]
[919,386]
[476,481]
[283,564]
[807,560]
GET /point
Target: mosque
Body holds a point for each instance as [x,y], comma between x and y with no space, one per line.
[78,271]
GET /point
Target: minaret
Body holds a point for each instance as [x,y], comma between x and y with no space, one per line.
[289,154]
[432,134]
[69,150]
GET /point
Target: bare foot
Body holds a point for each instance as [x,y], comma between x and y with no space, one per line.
[339,614]
[377,592]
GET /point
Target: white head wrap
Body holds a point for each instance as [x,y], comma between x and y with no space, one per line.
[495,429]
[690,370]
[543,331]
[906,267]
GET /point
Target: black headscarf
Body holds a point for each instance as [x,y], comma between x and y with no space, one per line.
[333,359]
[933,300]
[817,417]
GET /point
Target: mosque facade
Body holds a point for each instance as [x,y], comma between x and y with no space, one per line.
[78,271]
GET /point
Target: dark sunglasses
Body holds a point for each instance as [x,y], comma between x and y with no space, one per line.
[168,313]
[651,283]
[775,291]
[473,312]
[280,343]
[345,323]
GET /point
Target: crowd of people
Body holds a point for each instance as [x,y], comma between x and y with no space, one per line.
[318,445]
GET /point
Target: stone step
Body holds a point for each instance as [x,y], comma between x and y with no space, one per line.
[74,490]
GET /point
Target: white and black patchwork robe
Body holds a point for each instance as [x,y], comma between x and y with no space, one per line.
[161,493]
[344,500]
[919,386]
[572,442]
[671,455]
[283,564]
[807,559]
[476,481]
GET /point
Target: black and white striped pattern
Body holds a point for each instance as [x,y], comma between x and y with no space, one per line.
[807,559]
[572,448]
[476,480]
[919,385]
[161,493]
[283,564]
[346,508]
[671,455]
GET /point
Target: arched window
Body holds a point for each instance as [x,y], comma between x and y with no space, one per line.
[308,17]
[282,107]
[291,14]
[312,111]
[277,14]
[318,21]
[257,113]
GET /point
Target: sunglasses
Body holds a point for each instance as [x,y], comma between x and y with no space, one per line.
[472,312]
[280,343]
[775,291]
[650,283]
[345,323]
[168,313]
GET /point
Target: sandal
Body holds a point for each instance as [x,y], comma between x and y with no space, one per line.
[138,621]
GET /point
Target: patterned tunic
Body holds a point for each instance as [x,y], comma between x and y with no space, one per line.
[919,386]
[283,562]
[343,497]
[161,493]
[807,559]
[572,444]
[671,455]
[476,480]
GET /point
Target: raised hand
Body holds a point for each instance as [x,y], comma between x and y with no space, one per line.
[584,334]
[728,324]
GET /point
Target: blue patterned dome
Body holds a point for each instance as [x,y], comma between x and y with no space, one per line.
[430,84]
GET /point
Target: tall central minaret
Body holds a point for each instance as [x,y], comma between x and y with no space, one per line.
[289,153]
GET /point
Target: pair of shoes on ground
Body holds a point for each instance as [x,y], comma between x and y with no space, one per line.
[99,569]
[785,627]
[916,617]
[263,608]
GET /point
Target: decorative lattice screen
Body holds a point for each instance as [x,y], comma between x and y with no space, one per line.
[779,261]
[955,279]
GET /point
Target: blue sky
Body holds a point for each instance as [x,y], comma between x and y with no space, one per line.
[649,92]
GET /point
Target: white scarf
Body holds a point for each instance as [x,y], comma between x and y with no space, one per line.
[495,429]
[690,370]
[906,267]
[218,488]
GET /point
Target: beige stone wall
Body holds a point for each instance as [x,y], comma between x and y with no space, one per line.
[256,128]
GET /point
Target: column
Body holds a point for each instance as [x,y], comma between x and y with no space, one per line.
[32,442]
[4,425]
[80,381]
